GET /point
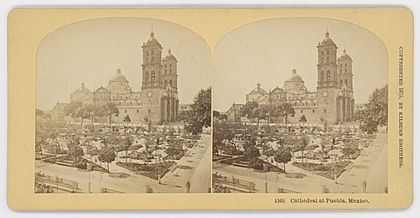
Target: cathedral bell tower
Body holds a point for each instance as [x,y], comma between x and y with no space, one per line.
[169,72]
[151,89]
[151,67]
[327,79]
[345,71]
[159,90]
[170,103]
[345,100]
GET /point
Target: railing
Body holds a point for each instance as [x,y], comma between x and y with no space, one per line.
[234,183]
[57,182]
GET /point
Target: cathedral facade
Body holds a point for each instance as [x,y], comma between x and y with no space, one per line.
[157,101]
[332,101]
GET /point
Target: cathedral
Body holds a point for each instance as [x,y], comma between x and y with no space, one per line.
[332,101]
[158,99]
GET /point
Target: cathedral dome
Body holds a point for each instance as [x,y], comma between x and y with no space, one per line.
[82,89]
[344,56]
[119,77]
[294,77]
[327,40]
[294,84]
[152,40]
[258,91]
[169,57]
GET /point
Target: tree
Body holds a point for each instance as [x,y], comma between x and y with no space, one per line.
[302,119]
[303,143]
[269,112]
[110,109]
[76,151]
[249,110]
[200,115]
[224,117]
[283,156]
[286,110]
[90,111]
[216,114]
[107,155]
[127,119]
[183,115]
[251,151]
[376,112]
[259,113]
[38,145]
[74,110]
[128,141]
[42,115]
[221,132]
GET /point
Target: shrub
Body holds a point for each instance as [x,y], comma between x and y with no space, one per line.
[257,165]
[81,165]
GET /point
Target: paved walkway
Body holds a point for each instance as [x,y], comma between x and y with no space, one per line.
[371,167]
[192,167]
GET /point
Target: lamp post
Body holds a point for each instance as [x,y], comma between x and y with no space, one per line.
[265,177]
[333,163]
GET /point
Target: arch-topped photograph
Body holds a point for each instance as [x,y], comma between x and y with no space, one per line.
[301,106]
[120,104]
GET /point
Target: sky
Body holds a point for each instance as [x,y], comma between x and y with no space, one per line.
[90,52]
[265,52]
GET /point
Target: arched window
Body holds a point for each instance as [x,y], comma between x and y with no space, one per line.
[345,82]
[153,59]
[322,76]
[146,75]
[328,52]
[166,83]
[170,83]
[322,60]
[328,59]
[328,75]
[341,83]
[322,52]
[153,76]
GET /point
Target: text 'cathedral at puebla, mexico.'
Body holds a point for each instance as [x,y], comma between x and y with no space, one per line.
[333,100]
[158,99]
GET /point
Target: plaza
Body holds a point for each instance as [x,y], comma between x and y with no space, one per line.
[189,171]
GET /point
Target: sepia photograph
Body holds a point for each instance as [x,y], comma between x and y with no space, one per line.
[123,105]
[300,106]
[274,108]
